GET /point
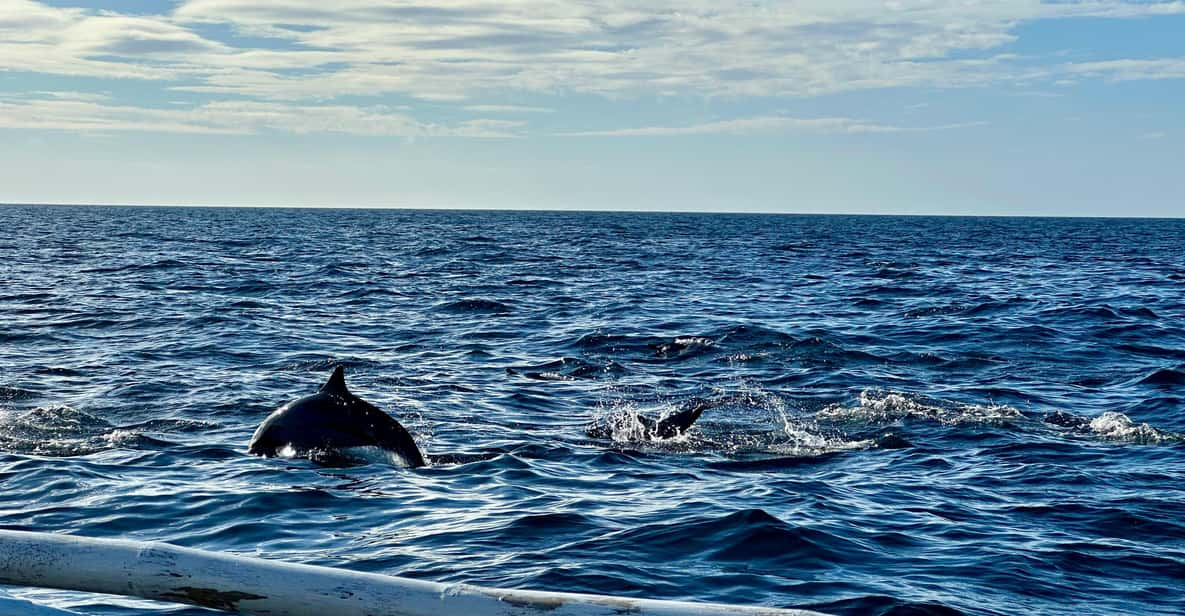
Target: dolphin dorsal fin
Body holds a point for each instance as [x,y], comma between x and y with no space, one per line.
[336,385]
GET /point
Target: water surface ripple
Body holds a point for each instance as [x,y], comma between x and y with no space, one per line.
[916,415]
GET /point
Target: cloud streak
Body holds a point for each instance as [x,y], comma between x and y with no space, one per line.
[306,57]
[769,124]
[1131,70]
[67,112]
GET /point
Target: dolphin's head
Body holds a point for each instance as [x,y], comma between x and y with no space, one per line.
[264,441]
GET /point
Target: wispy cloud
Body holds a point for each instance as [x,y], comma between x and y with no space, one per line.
[735,49]
[766,125]
[233,118]
[307,55]
[508,109]
[1131,70]
[466,49]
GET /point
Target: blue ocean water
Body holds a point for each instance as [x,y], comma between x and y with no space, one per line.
[920,416]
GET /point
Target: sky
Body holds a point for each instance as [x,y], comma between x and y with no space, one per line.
[1007,107]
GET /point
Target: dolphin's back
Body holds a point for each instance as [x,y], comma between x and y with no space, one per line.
[327,424]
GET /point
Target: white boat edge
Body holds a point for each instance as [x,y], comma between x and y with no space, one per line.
[246,585]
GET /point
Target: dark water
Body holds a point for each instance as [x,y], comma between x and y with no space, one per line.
[886,445]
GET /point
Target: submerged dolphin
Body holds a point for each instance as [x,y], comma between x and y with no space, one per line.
[333,426]
[669,426]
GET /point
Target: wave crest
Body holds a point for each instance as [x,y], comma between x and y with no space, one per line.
[1112,425]
[62,431]
[888,407]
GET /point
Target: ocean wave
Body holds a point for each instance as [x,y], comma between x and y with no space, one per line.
[879,406]
[9,394]
[475,306]
[916,415]
[64,431]
[568,369]
[1117,426]
[1165,377]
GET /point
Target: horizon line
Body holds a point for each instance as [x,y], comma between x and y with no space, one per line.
[580,210]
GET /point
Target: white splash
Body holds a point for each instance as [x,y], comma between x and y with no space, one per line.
[121,437]
[375,455]
[60,431]
[882,406]
[1120,427]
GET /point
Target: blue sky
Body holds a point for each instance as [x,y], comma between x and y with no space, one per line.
[928,106]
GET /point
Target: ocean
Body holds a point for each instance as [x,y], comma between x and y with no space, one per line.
[916,415]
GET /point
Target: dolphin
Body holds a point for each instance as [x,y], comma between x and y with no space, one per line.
[666,427]
[334,427]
